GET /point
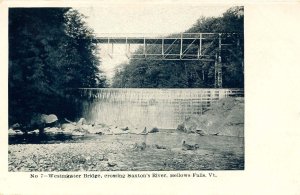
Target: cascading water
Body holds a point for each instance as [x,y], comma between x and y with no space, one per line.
[140,107]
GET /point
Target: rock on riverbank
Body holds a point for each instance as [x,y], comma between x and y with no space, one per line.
[81,128]
[226,117]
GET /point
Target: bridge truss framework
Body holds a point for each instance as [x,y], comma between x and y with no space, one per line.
[184,46]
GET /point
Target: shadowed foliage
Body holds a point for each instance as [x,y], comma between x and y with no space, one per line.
[50,50]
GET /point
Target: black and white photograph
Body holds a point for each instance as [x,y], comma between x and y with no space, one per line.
[126,88]
[149,97]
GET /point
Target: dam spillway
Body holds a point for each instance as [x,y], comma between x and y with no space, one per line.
[143,107]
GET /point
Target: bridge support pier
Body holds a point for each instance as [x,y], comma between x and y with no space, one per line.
[218,72]
[218,66]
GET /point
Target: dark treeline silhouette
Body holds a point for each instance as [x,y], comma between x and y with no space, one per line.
[190,74]
[50,50]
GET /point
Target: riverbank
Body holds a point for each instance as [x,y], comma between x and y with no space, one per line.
[161,151]
[226,117]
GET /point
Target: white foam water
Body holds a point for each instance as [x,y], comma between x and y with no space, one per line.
[141,107]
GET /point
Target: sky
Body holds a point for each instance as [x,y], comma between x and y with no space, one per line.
[143,20]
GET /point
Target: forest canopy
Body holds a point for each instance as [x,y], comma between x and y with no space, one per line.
[50,50]
[190,74]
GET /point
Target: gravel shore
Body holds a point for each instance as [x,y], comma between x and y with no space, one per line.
[125,153]
[62,157]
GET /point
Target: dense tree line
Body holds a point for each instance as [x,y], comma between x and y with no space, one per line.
[191,74]
[50,50]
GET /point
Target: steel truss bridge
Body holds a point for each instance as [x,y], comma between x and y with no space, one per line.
[185,46]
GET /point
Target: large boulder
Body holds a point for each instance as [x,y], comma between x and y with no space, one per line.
[11,132]
[15,132]
[225,118]
[52,130]
[19,132]
[190,125]
[36,131]
[40,121]
[48,119]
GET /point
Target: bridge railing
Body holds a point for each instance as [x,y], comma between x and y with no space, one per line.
[183,46]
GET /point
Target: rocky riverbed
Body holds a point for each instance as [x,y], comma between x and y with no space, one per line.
[160,151]
[212,141]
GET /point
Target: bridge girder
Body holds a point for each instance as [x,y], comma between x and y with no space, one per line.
[184,46]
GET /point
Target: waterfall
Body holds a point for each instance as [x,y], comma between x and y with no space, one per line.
[140,107]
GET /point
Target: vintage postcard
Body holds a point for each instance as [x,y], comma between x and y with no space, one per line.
[151,93]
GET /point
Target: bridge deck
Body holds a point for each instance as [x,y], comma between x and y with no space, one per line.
[183,38]
[138,40]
